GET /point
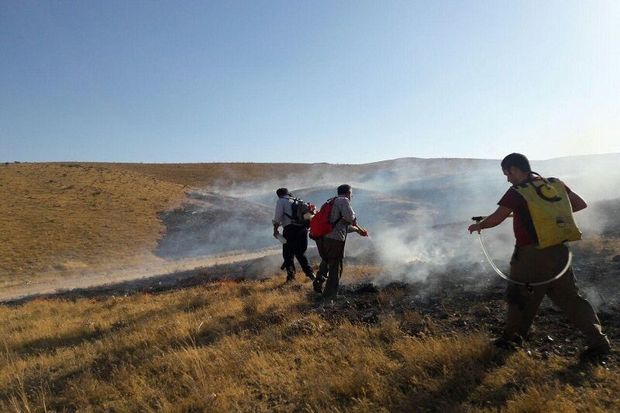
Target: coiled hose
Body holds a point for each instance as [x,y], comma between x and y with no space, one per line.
[510,280]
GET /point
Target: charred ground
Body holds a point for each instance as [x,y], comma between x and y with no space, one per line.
[220,342]
[236,338]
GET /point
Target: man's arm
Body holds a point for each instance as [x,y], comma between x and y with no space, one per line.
[493,220]
[278,217]
[346,212]
[576,202]
[349,216]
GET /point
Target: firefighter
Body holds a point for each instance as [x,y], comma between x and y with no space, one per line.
[543,221]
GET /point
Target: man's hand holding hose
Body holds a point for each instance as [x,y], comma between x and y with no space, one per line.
[360,230]
[476,227]
[491,221]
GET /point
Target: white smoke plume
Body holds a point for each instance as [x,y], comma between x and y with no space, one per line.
[417,210]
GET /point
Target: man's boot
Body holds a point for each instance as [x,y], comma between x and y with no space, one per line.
[310,274]
[318,282]
[594,351]
[290,273]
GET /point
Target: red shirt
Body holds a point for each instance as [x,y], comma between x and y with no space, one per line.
[522,224]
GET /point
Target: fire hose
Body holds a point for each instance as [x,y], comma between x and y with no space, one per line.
[510,280]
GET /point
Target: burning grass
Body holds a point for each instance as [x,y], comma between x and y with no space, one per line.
[262,346]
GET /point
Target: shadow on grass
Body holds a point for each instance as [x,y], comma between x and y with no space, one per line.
[51,344]
[577,374]
[256,269]
[455,389]
[88,334]
[104,365]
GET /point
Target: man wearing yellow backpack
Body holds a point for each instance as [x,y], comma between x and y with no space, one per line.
[543,221]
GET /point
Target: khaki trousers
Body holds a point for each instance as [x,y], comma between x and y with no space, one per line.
[530,264]
[332,253]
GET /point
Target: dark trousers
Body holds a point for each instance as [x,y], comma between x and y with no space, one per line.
[332,253]
[529,264]
[295,247]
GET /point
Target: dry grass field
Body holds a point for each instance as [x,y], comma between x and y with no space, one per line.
[67,218]
[262,346]
[222,174]
[63,218]
[232,345]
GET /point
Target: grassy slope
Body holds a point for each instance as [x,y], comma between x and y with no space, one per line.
[63,217]
[229,173]
[216,173]
[258,346]
[228,346]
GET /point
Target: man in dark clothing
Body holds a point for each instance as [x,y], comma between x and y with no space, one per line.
[331,246]
[295,234]
[530,264]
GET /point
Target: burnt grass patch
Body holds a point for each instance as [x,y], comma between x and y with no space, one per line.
[464,301]
[209,223]
[457,303]
[445,308]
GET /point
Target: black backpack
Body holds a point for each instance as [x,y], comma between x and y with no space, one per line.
[299,210]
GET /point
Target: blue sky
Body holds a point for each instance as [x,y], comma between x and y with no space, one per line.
[307,81]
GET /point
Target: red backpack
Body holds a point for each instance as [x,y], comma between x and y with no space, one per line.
[320,225]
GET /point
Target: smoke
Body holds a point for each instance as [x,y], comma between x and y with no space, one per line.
[211,223]
[417,211]
[408,256]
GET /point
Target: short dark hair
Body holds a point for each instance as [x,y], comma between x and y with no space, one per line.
[281,191]
[518,161]
[344,189]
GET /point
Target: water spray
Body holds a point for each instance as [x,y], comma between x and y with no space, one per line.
[510,280]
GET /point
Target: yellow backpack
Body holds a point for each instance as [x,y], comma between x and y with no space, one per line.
[551,211]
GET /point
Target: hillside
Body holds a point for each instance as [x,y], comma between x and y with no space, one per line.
[78,218]
[410,331]
[62,218]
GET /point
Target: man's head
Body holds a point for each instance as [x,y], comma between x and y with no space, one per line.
[517,168]
[345,190]
[280,192]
